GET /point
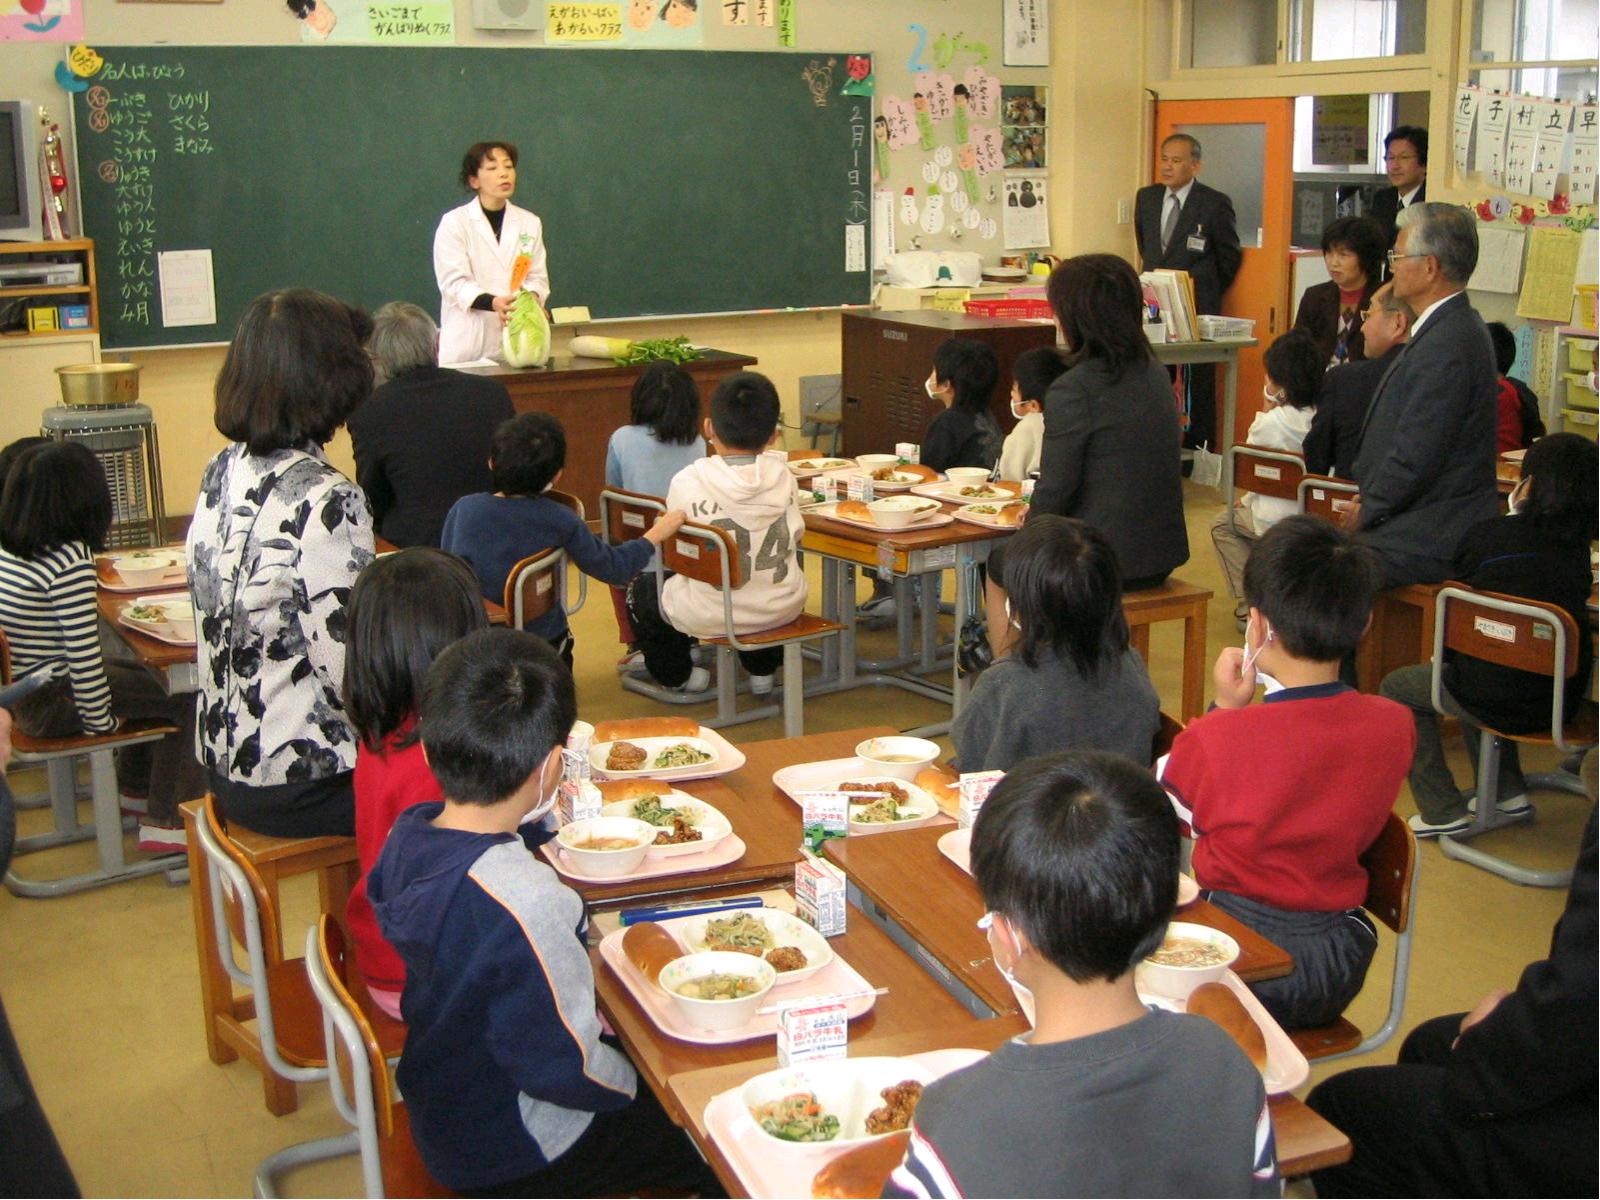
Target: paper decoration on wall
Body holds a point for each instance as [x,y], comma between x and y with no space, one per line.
[1026,215]
[858,79]
[41,20]
[919,103]
[959,203]
[1576,217]
[882,227]
[944,156]
[84,61]
[948,182]
[819,78]
[933,213]
[900,119]
[1462,124]
[1499,259]
[1548,277]
[971,218]
[987,145]
[967,160]
[930,172]
[786,27]
[939,91]
[1554,119]
[624,22]
[947,46]
[989,228]
[983,89]
[1585,154]
[1521,134]
[67,81]
[908,207]
[1024,147]
[1493,117]
[1026,27]
[392,22]
[880,148]
[764,12]
[915,64]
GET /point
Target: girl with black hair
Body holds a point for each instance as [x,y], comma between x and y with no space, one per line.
[404,610]
[1538,551]
[1070,679]
[1294,367]
[54,517]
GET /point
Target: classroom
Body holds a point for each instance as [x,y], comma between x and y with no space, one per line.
[941,471]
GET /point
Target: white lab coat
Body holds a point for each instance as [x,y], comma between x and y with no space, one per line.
[467,262]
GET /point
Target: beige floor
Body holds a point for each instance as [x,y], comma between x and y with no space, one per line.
[102,993]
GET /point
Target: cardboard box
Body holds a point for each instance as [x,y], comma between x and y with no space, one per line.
[42,320]
[74,316]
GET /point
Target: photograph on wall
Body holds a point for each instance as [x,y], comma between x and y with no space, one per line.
[1022,114]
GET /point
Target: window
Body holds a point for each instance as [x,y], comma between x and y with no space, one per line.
[1536,47]
[1326,30]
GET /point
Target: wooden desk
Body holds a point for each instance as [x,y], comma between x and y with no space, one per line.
[591,399]
[914,1003]
[1175,600]
[275,859]
[1305,1142]
[931,907]
[1181,354]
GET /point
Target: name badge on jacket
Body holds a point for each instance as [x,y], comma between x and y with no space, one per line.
[1196,243]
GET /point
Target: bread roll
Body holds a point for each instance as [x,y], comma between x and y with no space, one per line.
[854,510]
[926,474]
[613,790]
[862,1171]
[643,727]
[1012,514]
[941,786]
[1216,1002]
[650,947]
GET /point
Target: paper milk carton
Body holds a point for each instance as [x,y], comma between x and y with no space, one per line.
[823,815]
[813,1030]
[577,800]
[975,788]
[859,487]
[819,894]
[909,453]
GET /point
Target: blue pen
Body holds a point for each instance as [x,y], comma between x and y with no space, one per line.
[688,908]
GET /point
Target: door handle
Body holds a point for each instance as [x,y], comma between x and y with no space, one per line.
[1272,319]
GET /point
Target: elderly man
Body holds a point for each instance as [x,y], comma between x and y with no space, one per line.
[422,441]
[1330,445]
[1425,462]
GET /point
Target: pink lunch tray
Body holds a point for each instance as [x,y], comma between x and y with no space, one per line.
[957,847]
[729,850]
[837,978]
[1287,1068]
[766,1169]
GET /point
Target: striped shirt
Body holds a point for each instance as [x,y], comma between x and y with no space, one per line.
[47,610]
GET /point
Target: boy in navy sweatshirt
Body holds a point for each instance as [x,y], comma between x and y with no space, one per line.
[510,1087]
[494,531]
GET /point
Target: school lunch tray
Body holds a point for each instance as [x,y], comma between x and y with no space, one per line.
[729,850]
[766,1170]
[957,847]
[837,978]
[729,759]
[1286,1067]
[826,774]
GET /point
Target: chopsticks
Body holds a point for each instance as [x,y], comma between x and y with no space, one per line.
[840,996]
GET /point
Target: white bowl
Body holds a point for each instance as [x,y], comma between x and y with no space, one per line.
[717,1014]
[148,568]
[1177,982]
[900,757]
[965,476]
[606,864]
[711,823]
[896,512]
[871,462]
[847,1088]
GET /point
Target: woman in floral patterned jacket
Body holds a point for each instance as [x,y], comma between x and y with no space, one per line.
[277,540]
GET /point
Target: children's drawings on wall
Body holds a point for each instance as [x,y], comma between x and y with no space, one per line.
[625,22]
[916,64]
[933,213]
[899,118]
[41,20]
[921,109]
[990,154]
[819,78]
[908,207]
[392,22]
[983,90]
[1026,214]
[947,46]
[930,172]
[881,162]
[939,90]
[858,80]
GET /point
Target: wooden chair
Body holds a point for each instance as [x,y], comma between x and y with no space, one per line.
[1391,863]
[1167,732]
[709,555]
[1174,600]
[1526,635]
[1326,496]
[362,1092]
[60,757]
[286,1044]
[1263,472]
[537,584]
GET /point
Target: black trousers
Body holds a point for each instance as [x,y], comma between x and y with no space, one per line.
[31,1162]
[667,651]
[1407,1143]
[624,1153]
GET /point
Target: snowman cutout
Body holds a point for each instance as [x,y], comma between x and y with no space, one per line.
[933,214]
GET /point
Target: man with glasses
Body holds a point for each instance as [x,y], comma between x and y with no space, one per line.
[1426,455]
[1183,225]
[1330,445]
[1405,157]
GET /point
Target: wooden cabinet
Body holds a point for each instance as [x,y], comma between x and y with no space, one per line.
[71,251]
[887,358]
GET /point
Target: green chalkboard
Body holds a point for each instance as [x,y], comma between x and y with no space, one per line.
[668,181]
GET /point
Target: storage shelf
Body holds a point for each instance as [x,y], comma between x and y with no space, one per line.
[17,293]
[68,250]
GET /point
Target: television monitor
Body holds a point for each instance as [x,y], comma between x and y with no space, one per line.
[21,196]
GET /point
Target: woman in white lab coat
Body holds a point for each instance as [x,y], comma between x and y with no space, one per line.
[475,252]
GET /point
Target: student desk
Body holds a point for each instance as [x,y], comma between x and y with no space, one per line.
[591,397]
[1305,1142]
[930,907]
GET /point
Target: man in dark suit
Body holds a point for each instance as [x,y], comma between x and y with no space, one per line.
[1330,445]
[1496,1102]
[1182,224]
[1426,457]
[1405,157]
[421,440]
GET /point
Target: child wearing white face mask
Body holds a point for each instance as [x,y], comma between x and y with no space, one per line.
[1031,376]
[1076,856]
[507,1080]
[1283,797]
[1294,367]
[965,371]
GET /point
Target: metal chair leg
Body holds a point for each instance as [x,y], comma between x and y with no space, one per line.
[299,1155]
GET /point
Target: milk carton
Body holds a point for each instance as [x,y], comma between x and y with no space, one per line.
[909,453]
[975,788]
[819,894]
[577,800]
[813,1030]
[859,487]
[824,815]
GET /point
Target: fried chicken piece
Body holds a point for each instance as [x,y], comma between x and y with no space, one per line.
[893,790]
[680,832]
[900,1101]
[625,756]
[787,958]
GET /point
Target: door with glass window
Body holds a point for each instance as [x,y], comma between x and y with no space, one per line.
[1248,153]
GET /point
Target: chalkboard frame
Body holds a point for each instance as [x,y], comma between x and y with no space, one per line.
[351,208]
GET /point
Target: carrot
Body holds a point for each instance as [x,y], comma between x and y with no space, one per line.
[519,271]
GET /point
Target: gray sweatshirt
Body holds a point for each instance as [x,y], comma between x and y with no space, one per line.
[1016,712]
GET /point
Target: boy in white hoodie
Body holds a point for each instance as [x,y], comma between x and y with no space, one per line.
[751,494]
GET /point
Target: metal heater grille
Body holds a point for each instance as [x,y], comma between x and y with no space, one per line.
[123,440]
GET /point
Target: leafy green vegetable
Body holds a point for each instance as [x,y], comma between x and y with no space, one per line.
[675,349]
[526,341]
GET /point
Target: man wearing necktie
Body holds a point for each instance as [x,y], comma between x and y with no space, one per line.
[1405,157]
[1426,455]
[1182,224]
